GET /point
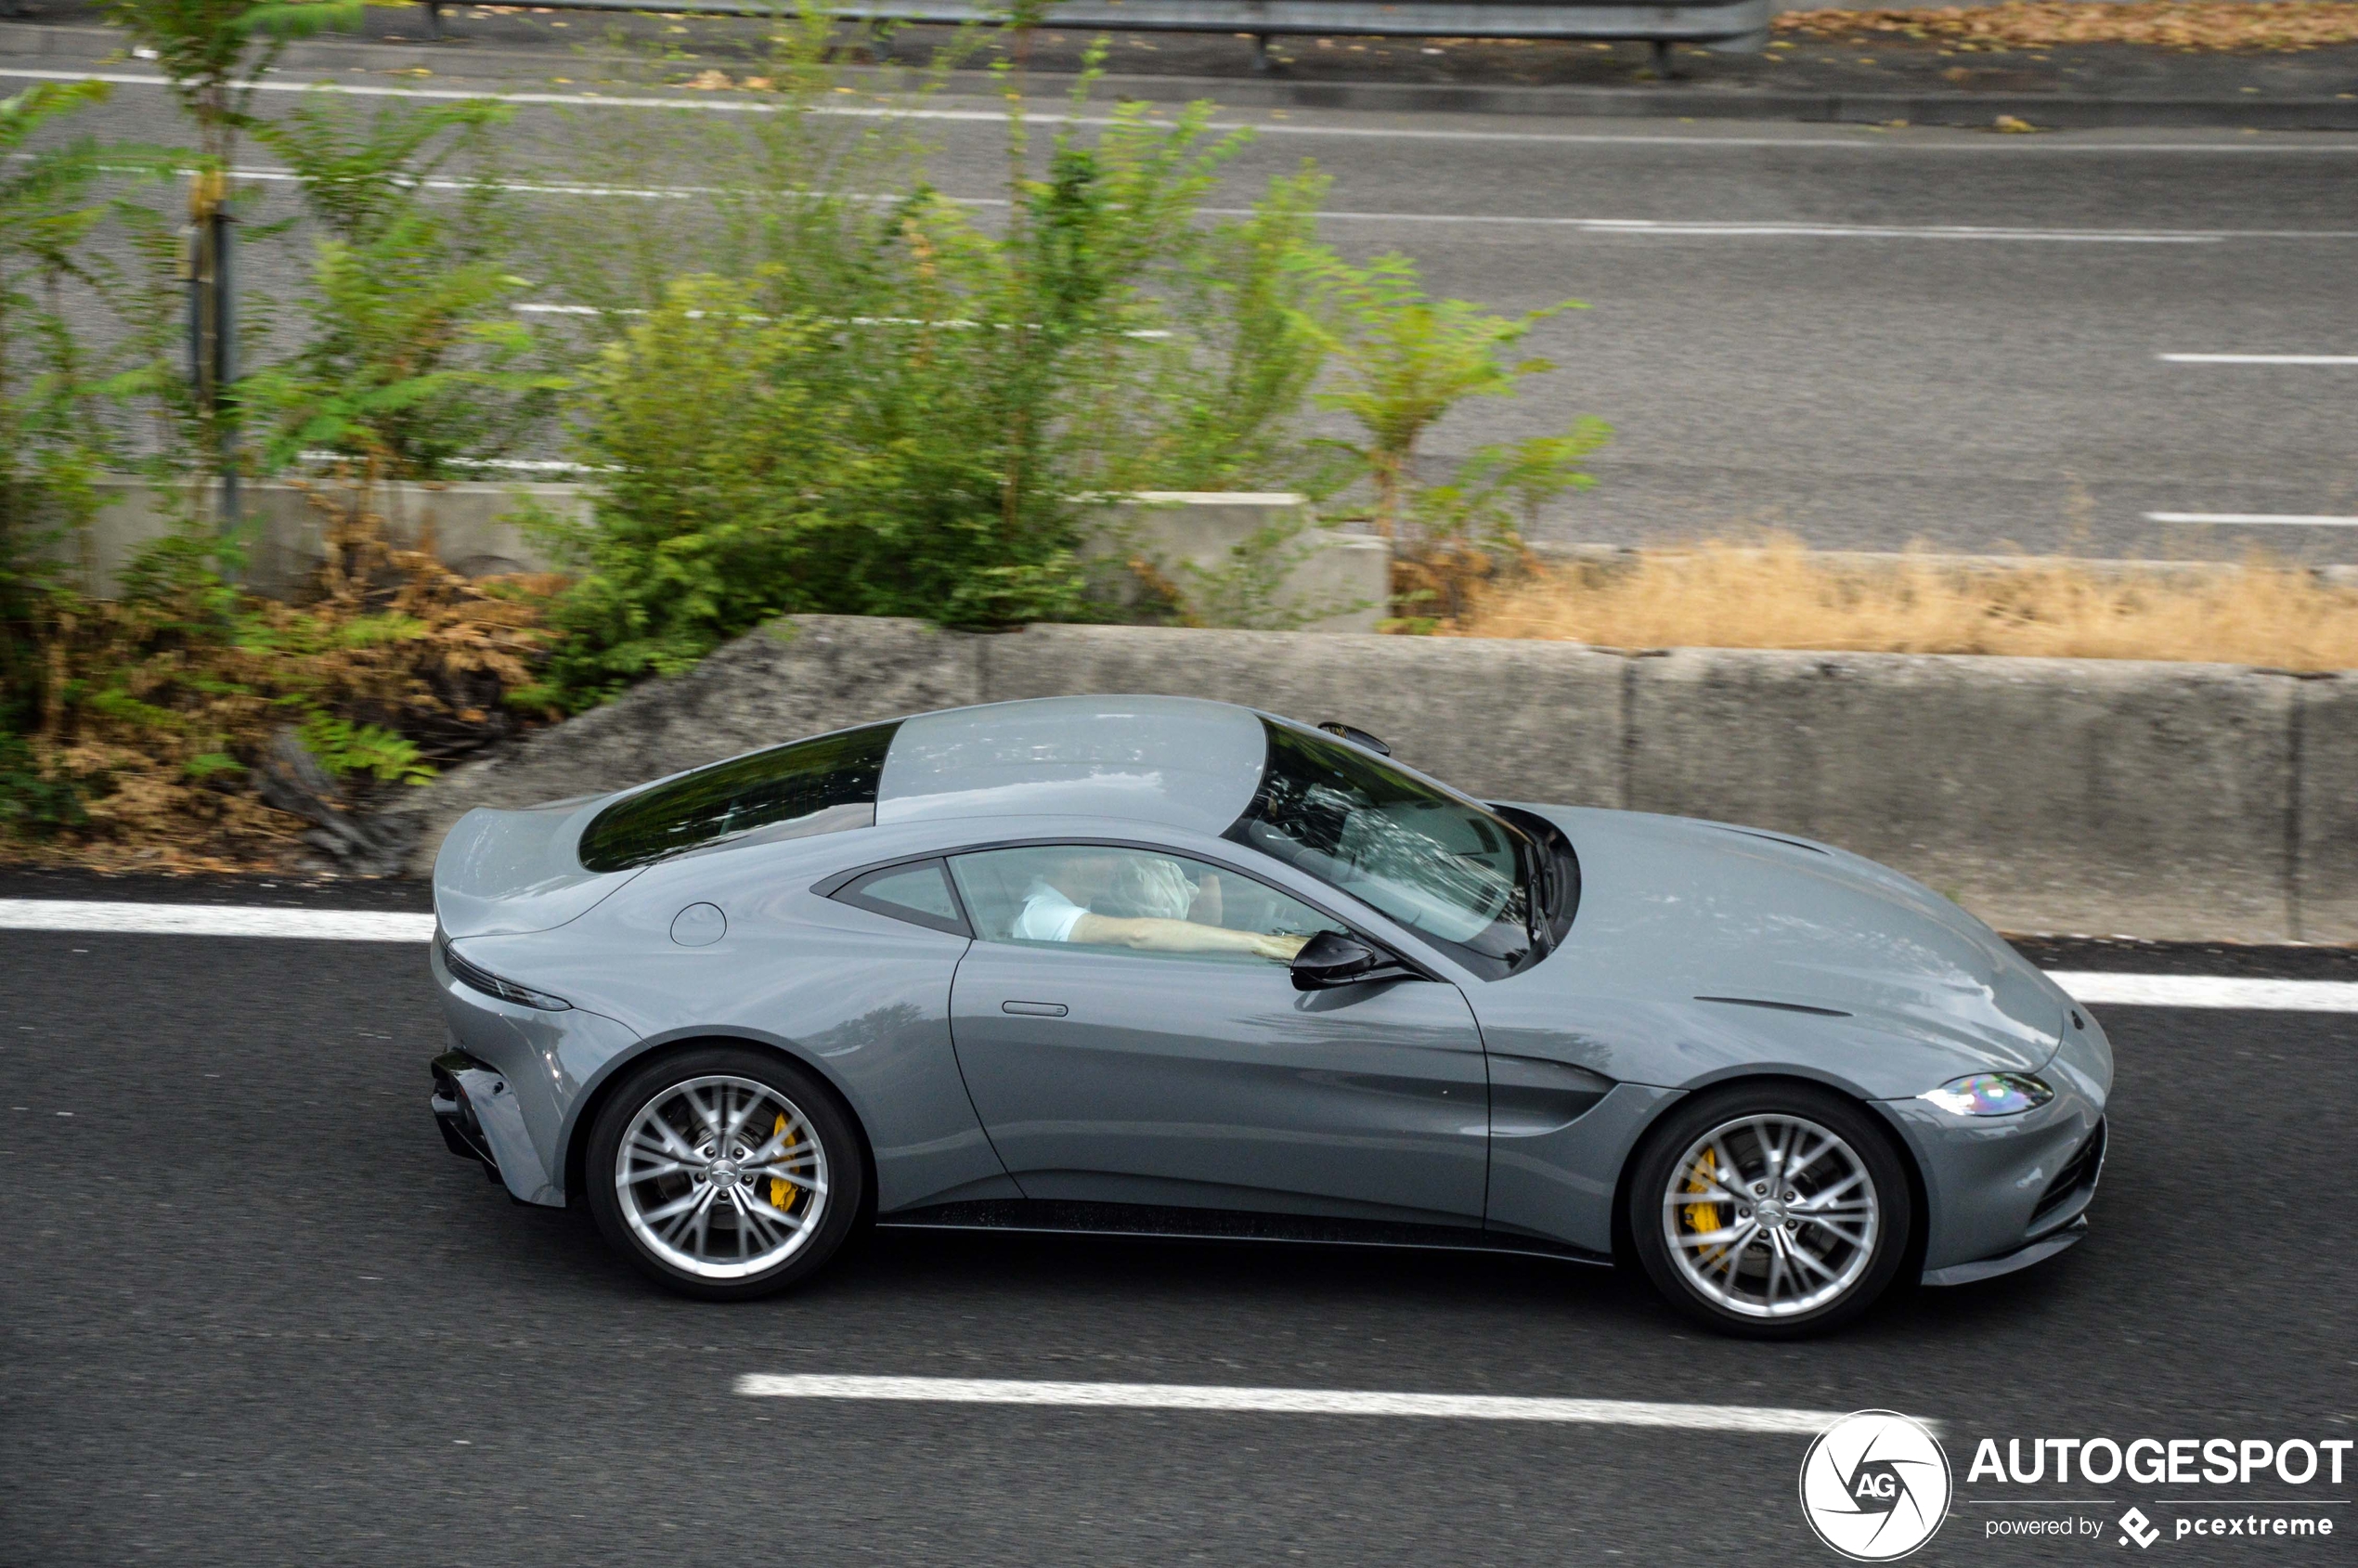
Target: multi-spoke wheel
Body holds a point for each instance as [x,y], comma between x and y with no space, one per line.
[724,1172]
[1770,1211]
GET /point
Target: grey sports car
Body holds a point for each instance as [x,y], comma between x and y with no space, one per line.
[1150,965]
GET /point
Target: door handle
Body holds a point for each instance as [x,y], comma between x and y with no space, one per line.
[1035,1009]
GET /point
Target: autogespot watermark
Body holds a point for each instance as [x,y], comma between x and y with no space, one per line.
[1875,1485]
[2081,1464]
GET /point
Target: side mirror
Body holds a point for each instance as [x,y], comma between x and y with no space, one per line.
[1330,959]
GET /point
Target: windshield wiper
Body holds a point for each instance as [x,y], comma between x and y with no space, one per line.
[1539,894]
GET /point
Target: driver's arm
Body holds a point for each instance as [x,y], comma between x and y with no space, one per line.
[1181,936]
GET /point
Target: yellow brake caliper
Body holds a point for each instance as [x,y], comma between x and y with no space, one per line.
[781,1194]
[1703,1218]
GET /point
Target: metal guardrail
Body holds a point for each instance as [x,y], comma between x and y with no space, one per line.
[1730,26]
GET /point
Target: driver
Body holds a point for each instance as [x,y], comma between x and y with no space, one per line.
[1152,905]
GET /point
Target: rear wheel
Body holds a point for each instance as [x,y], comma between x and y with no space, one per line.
[1771,1211]
[725,1171]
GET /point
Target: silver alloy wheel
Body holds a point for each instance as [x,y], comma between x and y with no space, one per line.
[1771,1217]
[722,1177]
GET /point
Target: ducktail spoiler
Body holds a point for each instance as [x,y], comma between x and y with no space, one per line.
[505,873]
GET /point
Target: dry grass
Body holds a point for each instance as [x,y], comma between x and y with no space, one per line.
[2207,26]
[1779,595]
[164,705]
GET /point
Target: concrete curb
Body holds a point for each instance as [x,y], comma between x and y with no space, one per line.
[1662,101]
[2169,801]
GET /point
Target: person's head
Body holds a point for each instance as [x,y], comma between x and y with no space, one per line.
[1149,888]
[1084,875]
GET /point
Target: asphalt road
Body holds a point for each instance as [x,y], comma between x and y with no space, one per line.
[1812,346]
[254,1313]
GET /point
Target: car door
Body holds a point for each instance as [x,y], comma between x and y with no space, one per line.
[1200,1077]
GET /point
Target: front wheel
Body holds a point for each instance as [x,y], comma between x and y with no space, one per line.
[724,1172]
[1771,1211]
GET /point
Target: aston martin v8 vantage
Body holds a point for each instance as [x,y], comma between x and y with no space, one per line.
[1153,966]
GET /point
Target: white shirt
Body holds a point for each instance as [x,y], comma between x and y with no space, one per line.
[1048,916]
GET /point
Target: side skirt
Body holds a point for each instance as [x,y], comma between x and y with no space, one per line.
[1033,1216]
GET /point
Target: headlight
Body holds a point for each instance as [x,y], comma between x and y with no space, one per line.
[484,980]
[1990,1093]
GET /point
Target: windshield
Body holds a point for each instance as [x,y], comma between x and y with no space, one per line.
[816,786]
[1442,867]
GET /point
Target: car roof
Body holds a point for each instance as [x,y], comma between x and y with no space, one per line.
[1178,761]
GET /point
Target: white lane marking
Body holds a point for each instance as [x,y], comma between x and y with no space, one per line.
[385,925]
[2259,359]
[1290,1402]
[213,920]
[2254,519]
[2209,991]
[1867,135]
[1639,227]
[1738,230]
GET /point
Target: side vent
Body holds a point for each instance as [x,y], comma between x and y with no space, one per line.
[1772,837]
[1775,1006]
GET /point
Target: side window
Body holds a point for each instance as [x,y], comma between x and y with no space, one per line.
[918,893]
[1141,900]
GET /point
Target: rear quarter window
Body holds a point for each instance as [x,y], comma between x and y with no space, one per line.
[817,786]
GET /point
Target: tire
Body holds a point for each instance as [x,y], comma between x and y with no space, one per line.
[1779,1272]
[724,1219]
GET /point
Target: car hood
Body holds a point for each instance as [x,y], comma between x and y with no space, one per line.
[1672,909]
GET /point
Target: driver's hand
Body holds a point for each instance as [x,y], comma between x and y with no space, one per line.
[1282,949]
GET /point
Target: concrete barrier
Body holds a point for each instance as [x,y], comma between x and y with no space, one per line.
[2160,800]
[1237,558]
[2324,827]
[2075,794]
[1233,558]
[470,525]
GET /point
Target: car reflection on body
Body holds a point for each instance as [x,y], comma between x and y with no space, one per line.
[1153,966]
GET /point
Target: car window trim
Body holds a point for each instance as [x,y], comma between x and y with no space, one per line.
[842,888]
[1357,927]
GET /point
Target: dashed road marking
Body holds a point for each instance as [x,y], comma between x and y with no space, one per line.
[1635,228]
[2210,991]
[1290,1402]
[2259,359]
[213,920]
[2255,519]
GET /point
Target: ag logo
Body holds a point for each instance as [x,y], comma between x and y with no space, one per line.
[1874,1485]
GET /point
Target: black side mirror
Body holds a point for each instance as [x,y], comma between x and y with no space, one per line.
[1330,959]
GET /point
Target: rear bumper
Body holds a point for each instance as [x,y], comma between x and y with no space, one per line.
[516,1080]
[454,1116]
[480,1120]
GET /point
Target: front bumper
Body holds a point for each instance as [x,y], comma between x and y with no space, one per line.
[2037,1251]
[2007,1192]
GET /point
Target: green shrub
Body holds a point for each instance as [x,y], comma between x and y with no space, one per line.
[413,363]
[898,411]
